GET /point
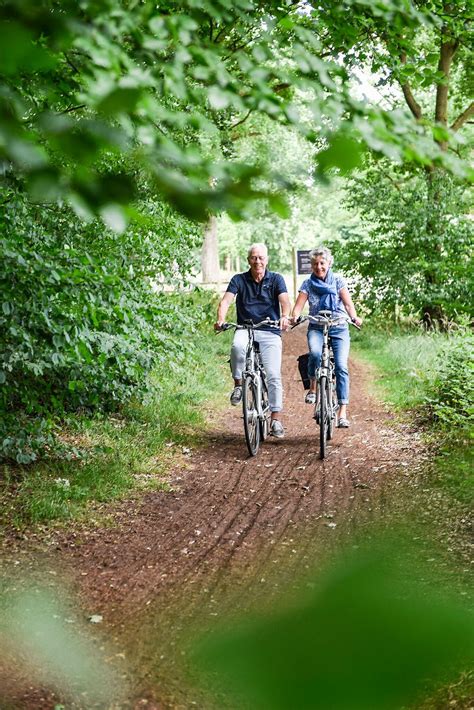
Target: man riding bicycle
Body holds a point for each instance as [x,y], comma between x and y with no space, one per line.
[259,294]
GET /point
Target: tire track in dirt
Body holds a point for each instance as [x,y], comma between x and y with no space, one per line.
[220,494]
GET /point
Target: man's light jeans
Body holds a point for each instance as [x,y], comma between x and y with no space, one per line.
[270,350]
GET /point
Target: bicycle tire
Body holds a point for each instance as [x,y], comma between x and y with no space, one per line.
[323,414]
[332,398]
[265,422]
[251,422]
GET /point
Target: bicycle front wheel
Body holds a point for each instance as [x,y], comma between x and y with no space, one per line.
[265,421]
[250,410]
[323,417]
[332,399]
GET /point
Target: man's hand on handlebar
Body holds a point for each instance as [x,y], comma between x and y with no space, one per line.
[284,322]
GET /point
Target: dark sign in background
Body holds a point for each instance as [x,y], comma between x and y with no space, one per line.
[303,261]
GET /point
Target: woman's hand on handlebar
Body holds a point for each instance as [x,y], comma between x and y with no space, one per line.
[296,320]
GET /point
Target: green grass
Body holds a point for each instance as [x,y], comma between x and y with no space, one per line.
[405,363]
[124,452]
[405,369]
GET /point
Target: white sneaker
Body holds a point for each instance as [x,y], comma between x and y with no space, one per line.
[310,398]
[276,429]
[236,396]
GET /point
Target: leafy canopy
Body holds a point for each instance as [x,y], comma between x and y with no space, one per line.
[81,80]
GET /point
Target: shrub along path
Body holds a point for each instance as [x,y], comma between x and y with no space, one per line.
[230,535]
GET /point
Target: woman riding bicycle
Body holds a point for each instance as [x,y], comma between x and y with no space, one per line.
[327,291]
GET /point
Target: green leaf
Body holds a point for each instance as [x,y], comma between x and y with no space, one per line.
[344,152]
[120,100]
[279,205]
[314,653]
[19,51]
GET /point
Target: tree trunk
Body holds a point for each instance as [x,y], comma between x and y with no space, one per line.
[210,253]
[432,313]
[448,49]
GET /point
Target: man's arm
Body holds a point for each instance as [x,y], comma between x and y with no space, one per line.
[285,308]
[222,309]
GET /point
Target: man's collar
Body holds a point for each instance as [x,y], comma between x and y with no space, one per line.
[249,276]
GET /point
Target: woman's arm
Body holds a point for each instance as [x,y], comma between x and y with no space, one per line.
[349,306]
[298,307]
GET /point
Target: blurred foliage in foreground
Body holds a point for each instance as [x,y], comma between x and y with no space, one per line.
[166,86]
[57,648]
[374,633]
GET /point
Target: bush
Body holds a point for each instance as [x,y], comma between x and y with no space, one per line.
[82,323]
[452,399]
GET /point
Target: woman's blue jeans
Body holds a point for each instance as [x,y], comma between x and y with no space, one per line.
[341,342]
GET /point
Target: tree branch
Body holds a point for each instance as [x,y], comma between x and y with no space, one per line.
[238,136]
[73,66]
[463,117]
[239,123]
[413,105]
[70,109]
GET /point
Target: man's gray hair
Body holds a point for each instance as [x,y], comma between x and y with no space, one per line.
[321,251]
[257,245]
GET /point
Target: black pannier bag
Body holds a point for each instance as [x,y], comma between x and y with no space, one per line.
[303,369]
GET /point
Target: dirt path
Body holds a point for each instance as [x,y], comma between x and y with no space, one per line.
[232,529]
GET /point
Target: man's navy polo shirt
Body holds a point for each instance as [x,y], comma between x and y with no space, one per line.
[257,301]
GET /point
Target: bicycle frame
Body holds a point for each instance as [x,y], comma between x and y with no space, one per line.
[326,404]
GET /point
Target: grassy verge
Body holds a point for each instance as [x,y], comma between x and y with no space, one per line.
[405,363]
[121,453]
[407,366]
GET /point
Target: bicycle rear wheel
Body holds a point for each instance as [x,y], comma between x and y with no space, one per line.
[250,410]
[323,417]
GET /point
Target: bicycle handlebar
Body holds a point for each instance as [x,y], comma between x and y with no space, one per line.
[250,326]
[325,318]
